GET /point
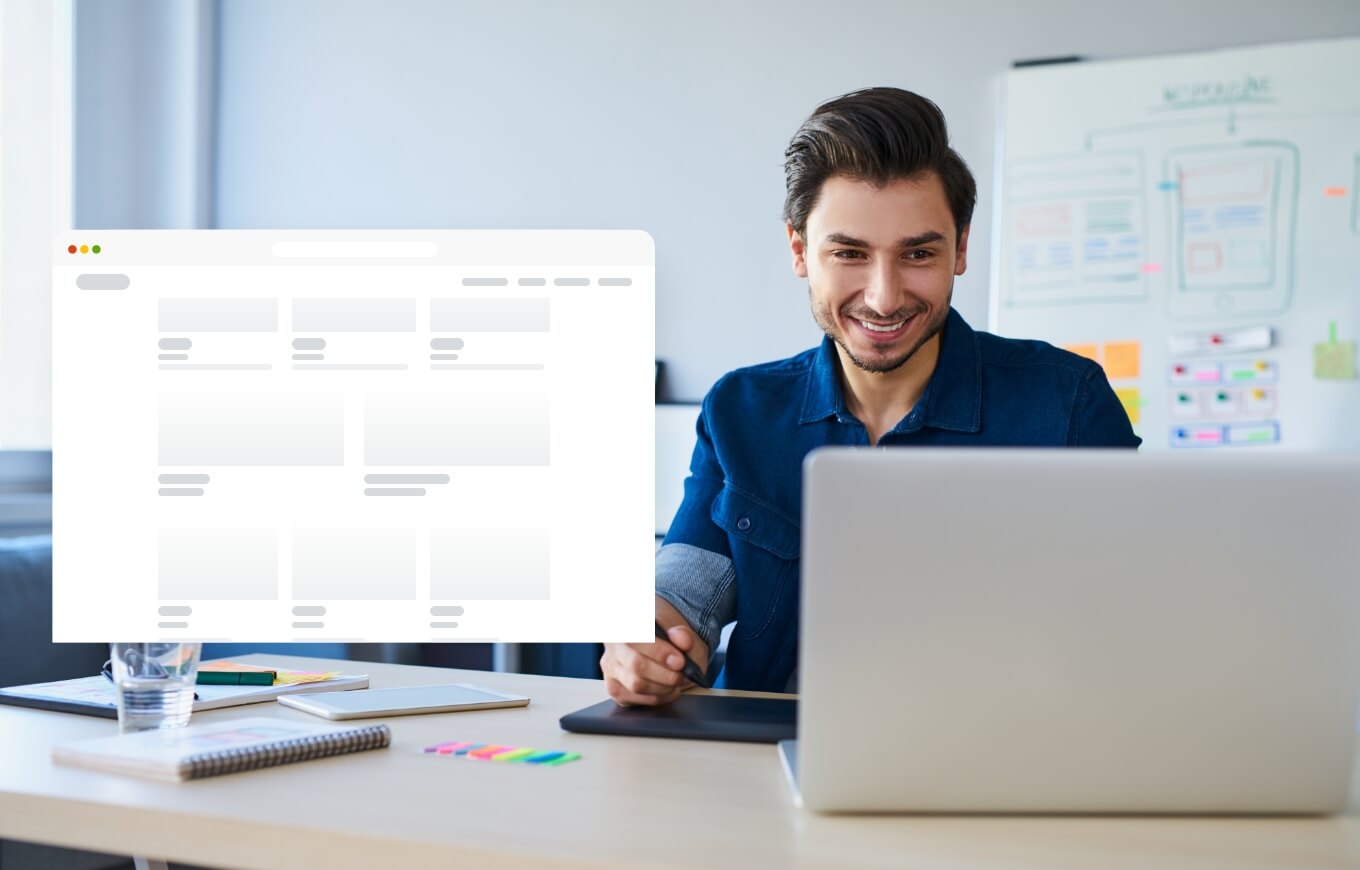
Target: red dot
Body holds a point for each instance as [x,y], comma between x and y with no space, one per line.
[71,249]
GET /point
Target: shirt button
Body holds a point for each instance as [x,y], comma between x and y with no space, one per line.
[743,524]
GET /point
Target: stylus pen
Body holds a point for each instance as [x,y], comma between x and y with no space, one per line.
[690,670]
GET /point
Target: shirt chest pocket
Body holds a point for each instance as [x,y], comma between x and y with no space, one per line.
[765,554]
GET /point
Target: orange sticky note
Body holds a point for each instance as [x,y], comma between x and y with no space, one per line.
[1128,397]
[1121,360]
[1087,350]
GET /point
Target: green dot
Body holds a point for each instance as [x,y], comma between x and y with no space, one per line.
[95,249]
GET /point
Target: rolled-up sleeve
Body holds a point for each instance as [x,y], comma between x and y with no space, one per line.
[694,570]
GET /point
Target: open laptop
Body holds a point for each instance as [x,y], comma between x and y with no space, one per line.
[1077,631]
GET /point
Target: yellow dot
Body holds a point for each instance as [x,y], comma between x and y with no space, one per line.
[84,249]
[1262,365]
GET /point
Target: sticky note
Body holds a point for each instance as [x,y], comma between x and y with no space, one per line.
[565,758]
[1121,360]
[1334,360]
[487,751]
[1128,397]
[1087,350]
[514,754]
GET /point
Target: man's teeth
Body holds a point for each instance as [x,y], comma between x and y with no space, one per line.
[874,327]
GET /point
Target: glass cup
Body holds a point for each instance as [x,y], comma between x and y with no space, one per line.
[154,683]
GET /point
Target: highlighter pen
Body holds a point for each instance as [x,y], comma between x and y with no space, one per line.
[690,670]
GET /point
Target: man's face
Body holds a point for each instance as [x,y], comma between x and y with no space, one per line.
[880,264]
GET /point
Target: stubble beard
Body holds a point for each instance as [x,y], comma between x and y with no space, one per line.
[822,315]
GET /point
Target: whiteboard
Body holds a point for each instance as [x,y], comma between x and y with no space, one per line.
[1192,223]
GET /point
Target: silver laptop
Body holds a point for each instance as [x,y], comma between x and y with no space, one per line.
[1078,631]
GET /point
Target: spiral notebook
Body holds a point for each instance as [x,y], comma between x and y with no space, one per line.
[196,751]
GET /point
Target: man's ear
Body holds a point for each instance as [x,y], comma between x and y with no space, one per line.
[799,250]
[961,255]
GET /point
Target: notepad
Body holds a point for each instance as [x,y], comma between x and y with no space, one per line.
[210,749]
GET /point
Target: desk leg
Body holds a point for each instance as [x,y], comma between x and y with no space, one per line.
[149,863]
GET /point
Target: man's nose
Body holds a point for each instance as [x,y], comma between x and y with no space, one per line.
[883,294]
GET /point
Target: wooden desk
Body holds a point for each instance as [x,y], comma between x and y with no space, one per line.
[629,802]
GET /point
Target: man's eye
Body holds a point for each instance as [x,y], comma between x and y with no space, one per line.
[847,255]
[918,254]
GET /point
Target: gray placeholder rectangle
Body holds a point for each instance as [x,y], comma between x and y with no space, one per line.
[485,282]
[309,344]
[491,558]
[354,562]
[444,356]
[172,625]
[309,610]
[386,493]
[179,492]
[571,282]
[103,282]
[309,356]
[496,419]
[488,315]
[277,429]
[533,282]
[175,610]
[218,315]
[354,315]
[490,367]
[175,344]
[446,344]
[406,478]
[232,561]
[218,367]
[183,478]
[616,282]
[309,625]
[180,356]
[446,610]
[355,367]
[443,625]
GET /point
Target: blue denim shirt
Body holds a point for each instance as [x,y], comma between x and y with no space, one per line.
[732,550]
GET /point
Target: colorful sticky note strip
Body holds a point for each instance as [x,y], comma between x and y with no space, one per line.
[1129,398]
[501,752]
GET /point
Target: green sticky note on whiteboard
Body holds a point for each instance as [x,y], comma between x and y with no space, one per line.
[1334,360]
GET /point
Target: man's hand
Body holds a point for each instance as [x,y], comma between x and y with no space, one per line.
[649,673]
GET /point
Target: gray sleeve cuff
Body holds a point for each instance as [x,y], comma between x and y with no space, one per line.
[701,585]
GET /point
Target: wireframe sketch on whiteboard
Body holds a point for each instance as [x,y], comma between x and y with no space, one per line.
[1075,228]
[1232,228]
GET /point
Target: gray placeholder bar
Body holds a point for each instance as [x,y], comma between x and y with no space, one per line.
[443,625]
[488,315]
[446,344]
[342,367]
[616,282]
[485,282]
[183,478]
[406,478]
[309,356]
[446,610]
[218,315]
[571,282]
[179,492]
[309,344]
[532,282]
[491,367]
[216,367]
[394,492]
[309,610]
[354,315]
[174,356]
[444,356]
[102,282]
[175,610]
[175,344]
[309,625]
[172,625]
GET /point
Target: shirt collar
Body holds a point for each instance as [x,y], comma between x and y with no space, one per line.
[952,398]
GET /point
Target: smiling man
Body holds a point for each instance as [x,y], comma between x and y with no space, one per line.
[877,213]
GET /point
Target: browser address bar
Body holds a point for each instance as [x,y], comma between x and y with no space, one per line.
[328,250]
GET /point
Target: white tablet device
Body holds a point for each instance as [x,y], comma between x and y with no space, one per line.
[404,701]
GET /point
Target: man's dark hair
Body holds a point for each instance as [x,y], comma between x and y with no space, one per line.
[878,135]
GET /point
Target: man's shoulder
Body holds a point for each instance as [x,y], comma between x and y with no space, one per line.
[767,377]
[997,351]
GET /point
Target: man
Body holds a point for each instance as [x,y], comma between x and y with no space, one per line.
[877,214]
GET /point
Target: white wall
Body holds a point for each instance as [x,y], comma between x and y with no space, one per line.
[620,113]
